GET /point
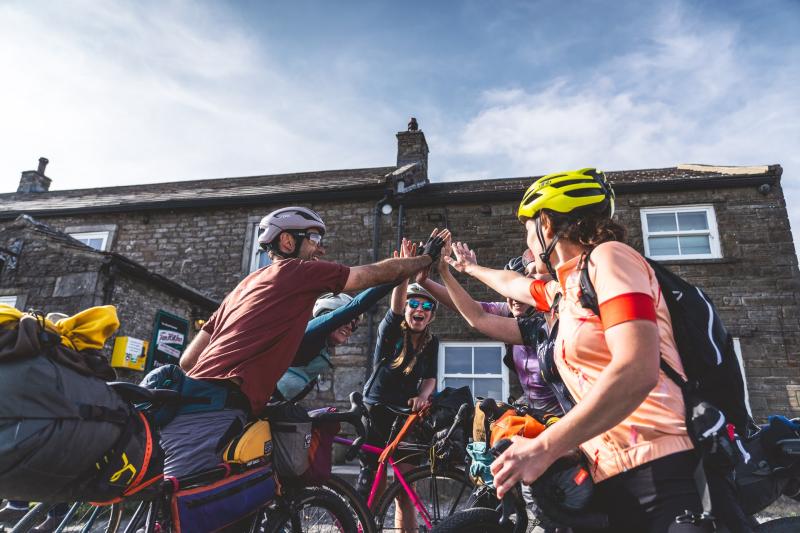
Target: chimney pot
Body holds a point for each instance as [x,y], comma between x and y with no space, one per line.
[413,148]
[35,180]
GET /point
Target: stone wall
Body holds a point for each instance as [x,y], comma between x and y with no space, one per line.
[755,285]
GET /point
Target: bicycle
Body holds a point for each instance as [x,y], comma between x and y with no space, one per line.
[444,485]
[297,508]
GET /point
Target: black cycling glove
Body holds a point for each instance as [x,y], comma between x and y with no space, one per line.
[432,247]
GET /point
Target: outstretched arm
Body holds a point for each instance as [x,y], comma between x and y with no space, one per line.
[507,282]
[319,328]
[394,270]
[500,328]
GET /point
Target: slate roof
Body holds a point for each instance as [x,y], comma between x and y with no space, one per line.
[176,194]
[354,184]
[25,222]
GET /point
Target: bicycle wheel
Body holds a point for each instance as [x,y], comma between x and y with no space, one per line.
[312,509]
[475,520]
[358,507]
[88,518]
[442,493]
[83,517]
[34,516]
[780,525]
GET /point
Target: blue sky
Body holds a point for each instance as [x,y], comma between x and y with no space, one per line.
[137,92]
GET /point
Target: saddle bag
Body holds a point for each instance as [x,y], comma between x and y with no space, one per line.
[65,434]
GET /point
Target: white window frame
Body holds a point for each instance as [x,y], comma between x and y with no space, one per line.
[9,300]
[712,231]
[94,231]
[251,246]
[93,235]
[441,375]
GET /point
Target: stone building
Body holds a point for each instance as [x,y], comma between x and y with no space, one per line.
[724,228]
[47,270]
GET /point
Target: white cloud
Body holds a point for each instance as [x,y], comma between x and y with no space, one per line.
[128,92]
[694,96]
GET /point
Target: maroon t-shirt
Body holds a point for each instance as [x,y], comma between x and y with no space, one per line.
[258,328]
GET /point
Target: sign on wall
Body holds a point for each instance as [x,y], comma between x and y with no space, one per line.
[170,334]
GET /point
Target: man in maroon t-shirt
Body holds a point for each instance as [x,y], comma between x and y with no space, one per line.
[250,341]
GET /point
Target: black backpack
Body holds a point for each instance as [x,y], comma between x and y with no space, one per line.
[705,346]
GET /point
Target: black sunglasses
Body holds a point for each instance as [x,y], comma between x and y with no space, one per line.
[312,236]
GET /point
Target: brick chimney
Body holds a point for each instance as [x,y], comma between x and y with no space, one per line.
[35,180]
[412,148]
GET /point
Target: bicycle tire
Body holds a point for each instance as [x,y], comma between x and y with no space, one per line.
[341,519]
[789,524]
[475,520]
[354,501]
[91,518]
[463,487]
[32,518]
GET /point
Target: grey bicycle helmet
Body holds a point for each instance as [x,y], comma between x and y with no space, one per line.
[289,219]
[415,289]
[329,302]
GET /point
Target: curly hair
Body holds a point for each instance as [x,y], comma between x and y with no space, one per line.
[589,230]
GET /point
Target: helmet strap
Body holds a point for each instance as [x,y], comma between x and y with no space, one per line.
[548,248]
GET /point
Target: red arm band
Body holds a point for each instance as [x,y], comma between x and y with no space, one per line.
[625,307]
[540,294]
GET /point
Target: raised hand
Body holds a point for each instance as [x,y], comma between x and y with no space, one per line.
[433,246]
[464,257]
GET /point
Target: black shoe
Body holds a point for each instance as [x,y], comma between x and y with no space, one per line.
[11,515]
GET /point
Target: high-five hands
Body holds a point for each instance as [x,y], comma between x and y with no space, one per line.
[433,246]
[464,257]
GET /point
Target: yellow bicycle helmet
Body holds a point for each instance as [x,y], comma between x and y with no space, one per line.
[575,191]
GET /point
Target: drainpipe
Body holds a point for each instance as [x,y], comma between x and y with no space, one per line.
[376,242]
[400,220]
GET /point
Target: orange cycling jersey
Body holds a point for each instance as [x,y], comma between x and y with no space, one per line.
[627,289]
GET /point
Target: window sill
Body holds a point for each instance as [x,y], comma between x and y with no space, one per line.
[688,261]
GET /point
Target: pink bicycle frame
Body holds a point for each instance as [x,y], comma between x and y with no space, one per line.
[397,474]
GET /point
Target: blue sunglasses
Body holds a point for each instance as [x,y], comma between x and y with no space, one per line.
[426,306]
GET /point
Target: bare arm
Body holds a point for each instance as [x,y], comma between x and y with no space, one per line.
[621,387]
[507,282]
[386,271]
[500,328]
[426,388]
[399,297]
[439,292]
[192,353]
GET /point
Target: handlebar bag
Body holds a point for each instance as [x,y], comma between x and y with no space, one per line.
[291,436]
[252,446]
[217,506]
[320,451]
[510,424]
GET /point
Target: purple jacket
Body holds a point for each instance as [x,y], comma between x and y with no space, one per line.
[526,363]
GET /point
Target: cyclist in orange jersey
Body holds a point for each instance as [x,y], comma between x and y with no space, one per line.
[629,417]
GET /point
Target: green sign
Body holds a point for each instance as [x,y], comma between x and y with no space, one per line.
[170,334]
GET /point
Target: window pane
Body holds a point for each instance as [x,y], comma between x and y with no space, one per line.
[488,388]
[488,360]
[695,244]
[693,220]
[97,244]
[263,259]
[663,246]
[457,360]
[457,383]
[661,222]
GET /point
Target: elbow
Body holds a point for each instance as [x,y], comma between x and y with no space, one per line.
[643,382]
